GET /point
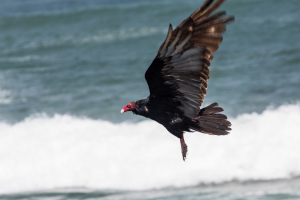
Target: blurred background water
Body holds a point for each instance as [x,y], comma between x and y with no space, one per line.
[67,68]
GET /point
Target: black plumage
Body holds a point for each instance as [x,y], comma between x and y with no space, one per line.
[177,77]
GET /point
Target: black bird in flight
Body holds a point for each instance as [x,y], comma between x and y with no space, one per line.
[177,77]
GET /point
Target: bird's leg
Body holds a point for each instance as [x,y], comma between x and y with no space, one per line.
[183,147]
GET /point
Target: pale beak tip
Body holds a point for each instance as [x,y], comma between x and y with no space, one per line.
[122,111]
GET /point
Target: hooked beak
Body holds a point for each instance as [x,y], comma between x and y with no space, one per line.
[129,107]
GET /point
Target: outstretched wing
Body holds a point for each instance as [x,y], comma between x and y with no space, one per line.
[177,77]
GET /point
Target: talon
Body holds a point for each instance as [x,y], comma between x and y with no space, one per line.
[183,148]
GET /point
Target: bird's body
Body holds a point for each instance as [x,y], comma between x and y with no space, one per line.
[177,77]
[174,122]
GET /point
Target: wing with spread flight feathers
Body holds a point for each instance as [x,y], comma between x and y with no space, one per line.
[177,77]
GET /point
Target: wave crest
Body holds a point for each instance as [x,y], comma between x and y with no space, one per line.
[64,151]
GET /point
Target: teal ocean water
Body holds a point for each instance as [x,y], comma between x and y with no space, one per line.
[67,68]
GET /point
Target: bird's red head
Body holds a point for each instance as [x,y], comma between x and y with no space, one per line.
[129,107]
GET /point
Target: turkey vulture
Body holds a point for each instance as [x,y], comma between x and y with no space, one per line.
[177,77]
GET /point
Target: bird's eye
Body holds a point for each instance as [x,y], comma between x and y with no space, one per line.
[128,106]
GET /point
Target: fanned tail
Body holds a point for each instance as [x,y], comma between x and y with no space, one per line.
[211,122]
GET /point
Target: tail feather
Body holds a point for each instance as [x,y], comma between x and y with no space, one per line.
[216,120]
[210,121]
[209,107]
[215,116]
[210,111]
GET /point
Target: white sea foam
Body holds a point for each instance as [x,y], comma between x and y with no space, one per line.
[5,97]
[102,36]
[63,151]
[122,34]
[20,58]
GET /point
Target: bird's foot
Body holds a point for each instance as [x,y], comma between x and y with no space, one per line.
[183,148]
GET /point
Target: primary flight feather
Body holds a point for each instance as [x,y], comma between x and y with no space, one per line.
[177,77]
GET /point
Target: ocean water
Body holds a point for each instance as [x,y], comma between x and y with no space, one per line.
[67,68]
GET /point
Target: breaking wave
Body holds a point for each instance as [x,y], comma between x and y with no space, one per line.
[62,151]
